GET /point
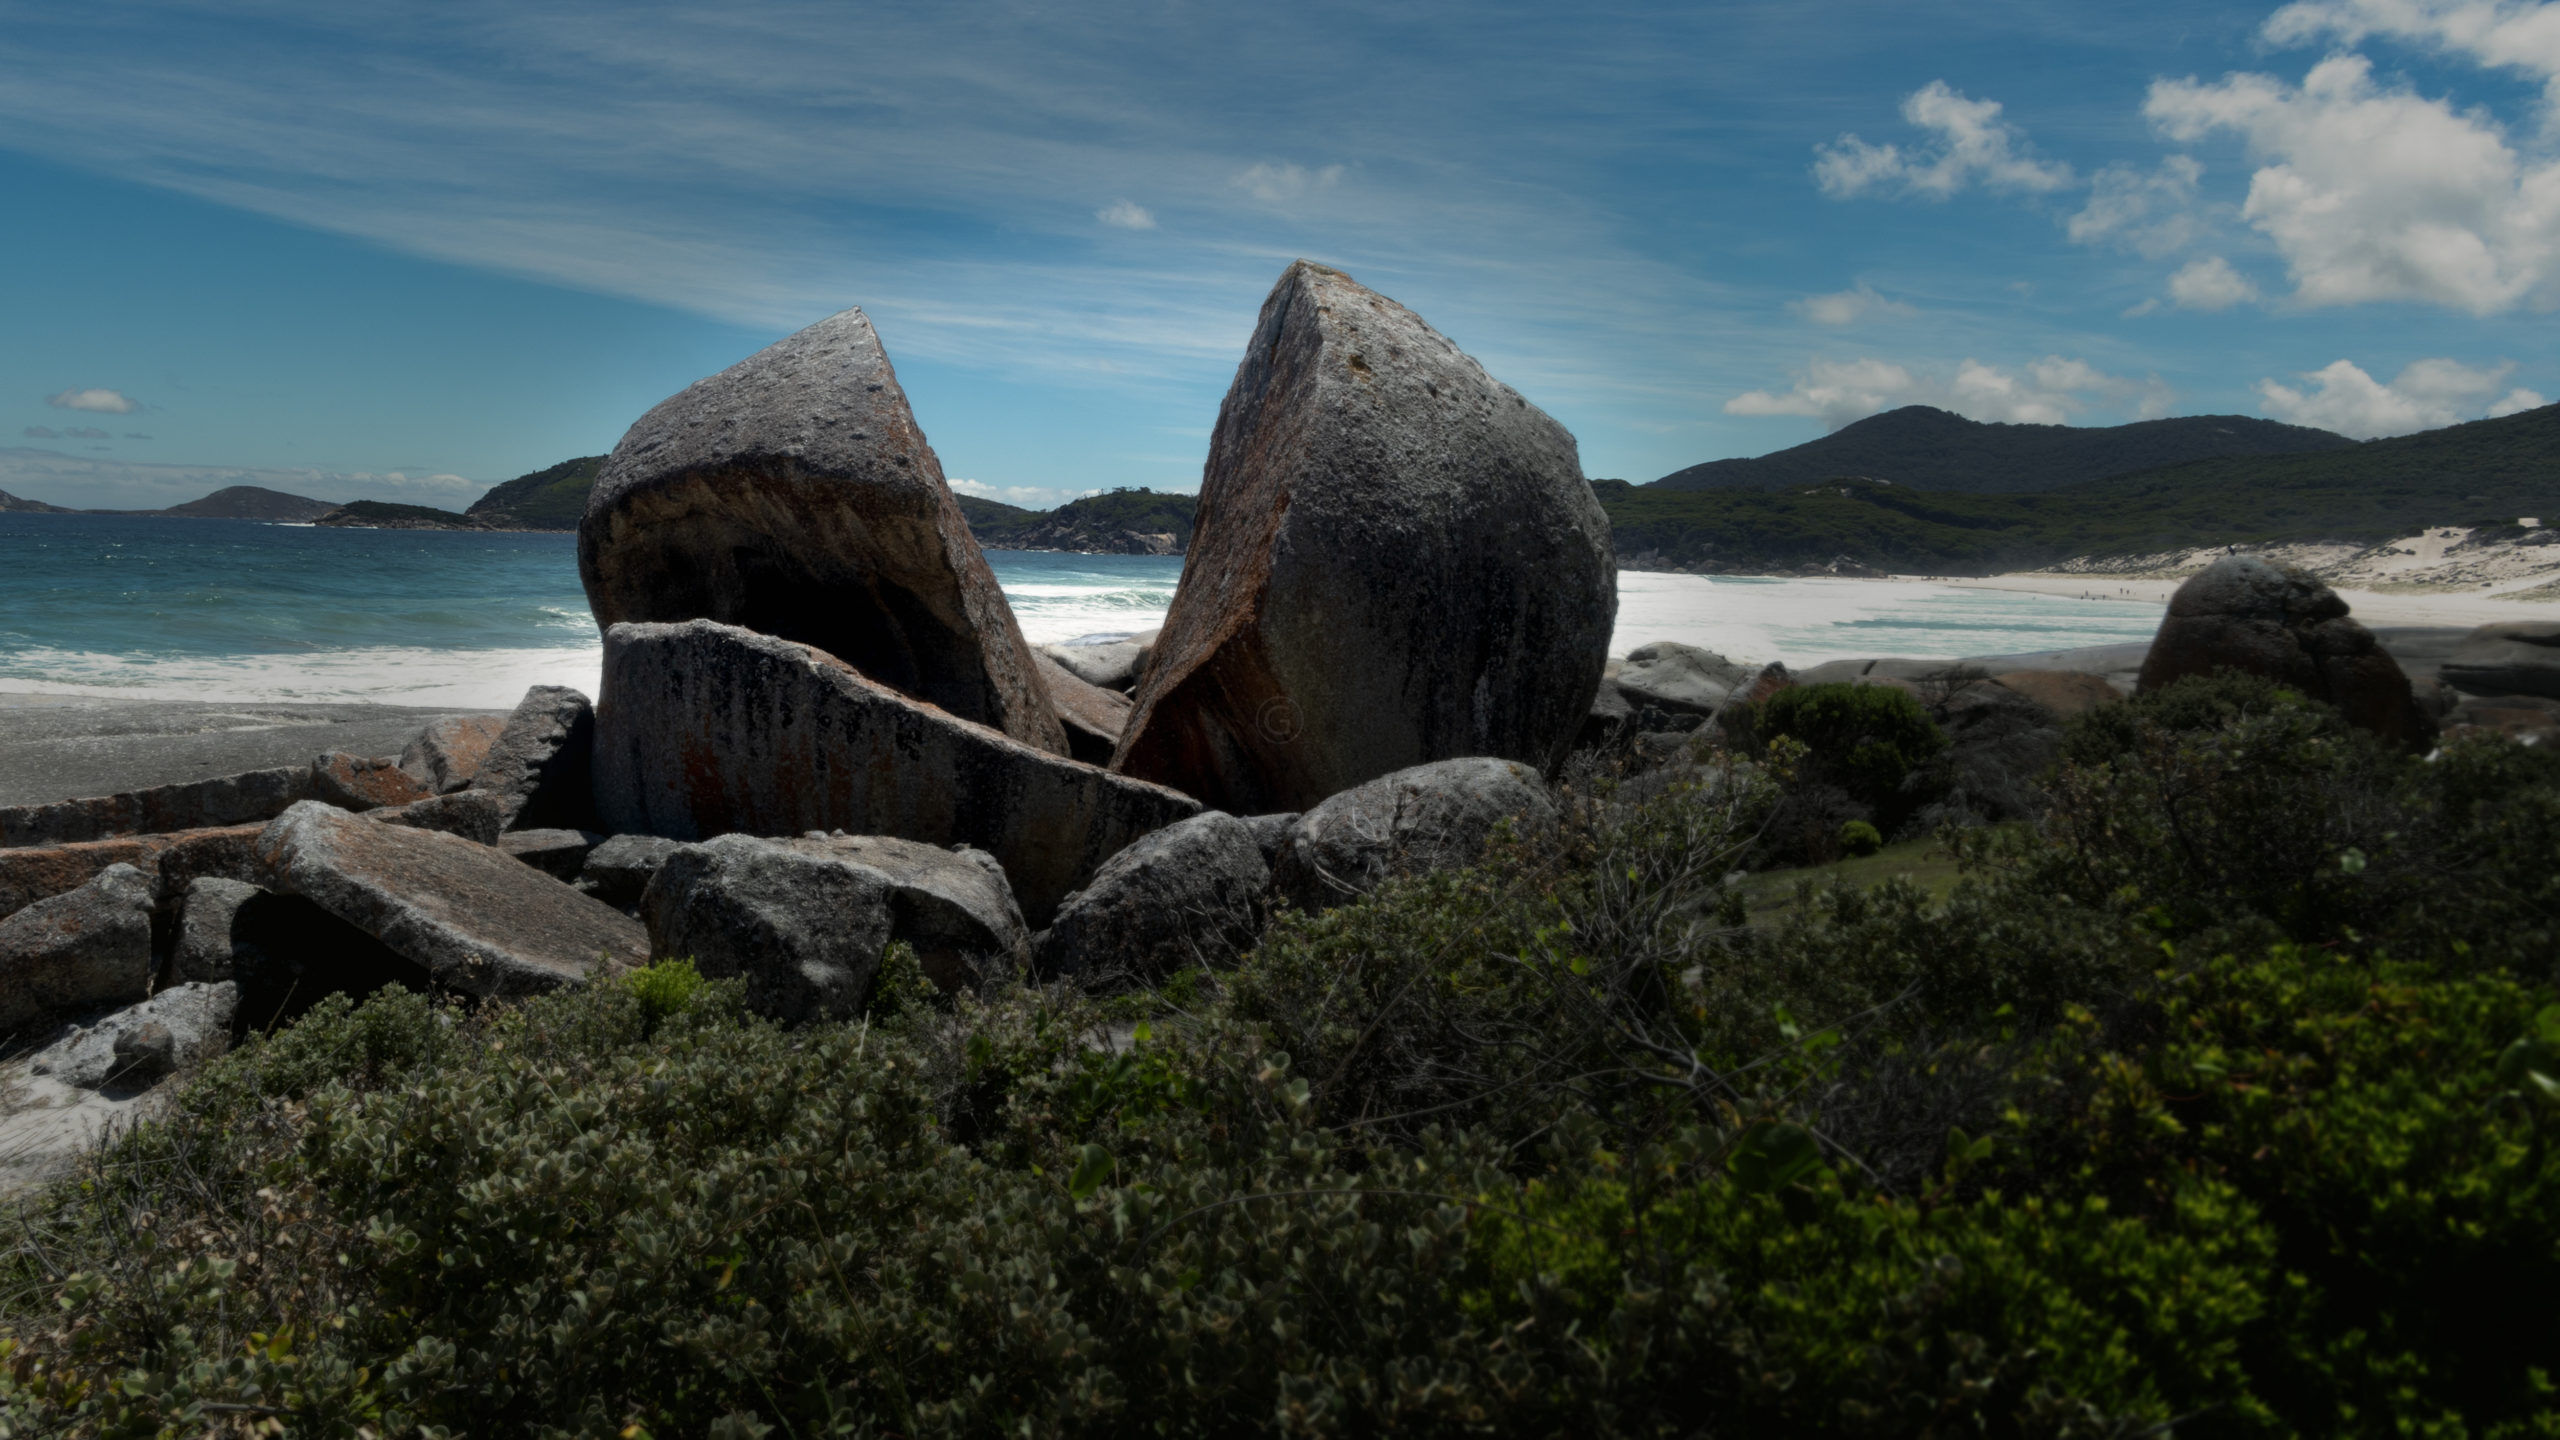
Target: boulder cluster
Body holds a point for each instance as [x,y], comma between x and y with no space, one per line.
[821,732]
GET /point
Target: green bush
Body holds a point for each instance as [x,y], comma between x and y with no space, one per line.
[2105,1143]
[1860,838]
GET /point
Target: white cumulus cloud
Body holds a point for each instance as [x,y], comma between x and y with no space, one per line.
[1029,497]
[1848,307]
[2425,394]
[2043,392]
[2210,284]
[1126,215]
[2509,34]
[1968,144]
[105,402]
[2381,194]
[1287,181]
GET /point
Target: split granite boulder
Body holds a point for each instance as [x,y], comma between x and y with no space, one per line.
[79,950]
[1430,817]
[707,729]
[2279,621]
[1093,716]
[1190,894]
[1397,560]
[474,919]
[793,494]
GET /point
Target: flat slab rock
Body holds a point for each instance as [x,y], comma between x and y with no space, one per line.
[1398,560]
[794,494]
[475,919]
[195,1023]
[707,729]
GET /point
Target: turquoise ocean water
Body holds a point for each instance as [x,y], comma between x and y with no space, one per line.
[235,610]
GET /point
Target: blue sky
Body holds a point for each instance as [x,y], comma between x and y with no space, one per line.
[350,251]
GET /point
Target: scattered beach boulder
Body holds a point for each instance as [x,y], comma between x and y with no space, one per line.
[793,494]
[1093,717]
[1738,718]
[472,918]
[560,854]
[953,905]
[541,763]
[448,754]
[1428,817]
[79,950]
[2000,742]
[361,782]
[36,872]
[209,943]
[254,795]
[802,927]
[1190,894]
[135,1047]
[707,728]
[479,816]
[1607,719]
[229,853]
[1271,833]
[2516,657]
[1679,678]
[619,869]
[1397,561]
[2243,613]
[2064,692]
[1110,664]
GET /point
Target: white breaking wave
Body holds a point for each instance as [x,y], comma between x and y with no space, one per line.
[461,679]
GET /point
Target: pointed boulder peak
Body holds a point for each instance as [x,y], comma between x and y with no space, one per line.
[793,494]
[1397,561]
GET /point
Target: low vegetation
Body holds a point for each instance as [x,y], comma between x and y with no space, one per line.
[2218,1102]
[554,498]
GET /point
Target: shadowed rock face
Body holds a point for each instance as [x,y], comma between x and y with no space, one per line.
[794,495]
[706,729]
[2241,613]
[1397,561]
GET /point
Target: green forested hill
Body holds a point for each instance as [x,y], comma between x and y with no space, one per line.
[551,499]
[1930,449]
[2485,472]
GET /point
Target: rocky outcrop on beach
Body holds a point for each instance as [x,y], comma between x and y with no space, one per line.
[448,754]
[1397,561]
[87,947]
[1429,817]
[1094,717]
[708,728]
[794,495]
[541,763]
[472,918]
[1190,894]
[2242,613]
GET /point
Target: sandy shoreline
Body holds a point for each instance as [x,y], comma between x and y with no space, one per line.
[2478,605]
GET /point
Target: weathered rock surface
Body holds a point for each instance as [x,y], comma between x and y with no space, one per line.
[473,918]
[1429,817]
[1738,719]
[1271,833]
[1112,664]
[620,869]
[359,782]
[2242,613]
[1607,719]
[707,728]
[1397,560]
[179,1027]
[953,905]
[209,944]
[803,928]
[1679,678]
[2064,692]
[1190,894]
[792,494]
[78,950]
[542,762]
[448,754]
[479,816]
[38,871]
[229,853]
[1093,717]
[560,854]
[2000,742]
[2517,657]
[256,795]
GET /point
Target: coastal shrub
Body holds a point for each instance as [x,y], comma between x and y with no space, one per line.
[1556,1145]
[1858,755]
[1858,838]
